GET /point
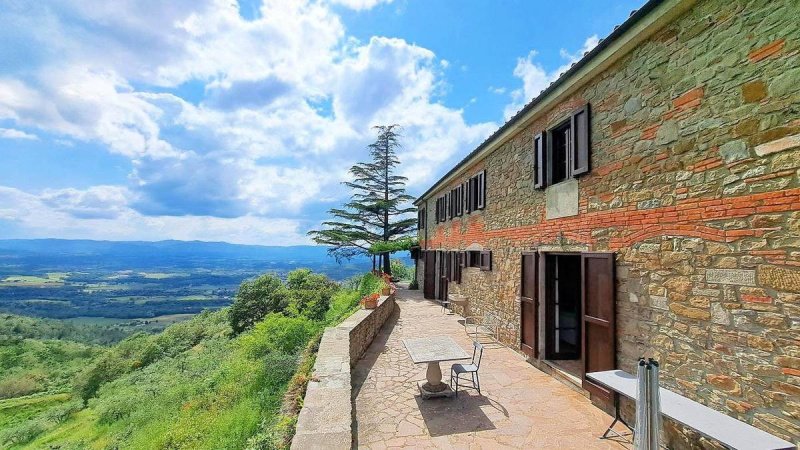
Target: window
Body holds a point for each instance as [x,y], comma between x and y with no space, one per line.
[476,192]
[560,141]
[421,219]
[458,201]
[472,258]
[441,209]
[563,151]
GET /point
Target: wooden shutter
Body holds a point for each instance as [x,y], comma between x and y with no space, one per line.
[486,260]
[599,318]
[465,197]
[429,279]
[459,201]
[462,262]
[482,190]
[539,159]
[548,156]
[580,141]
[529,304]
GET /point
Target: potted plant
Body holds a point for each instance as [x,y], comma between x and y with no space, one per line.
[370,301]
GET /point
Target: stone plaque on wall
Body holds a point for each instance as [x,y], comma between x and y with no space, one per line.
[740,277]
[562,199]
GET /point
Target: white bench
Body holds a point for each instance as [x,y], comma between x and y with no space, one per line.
[725,429]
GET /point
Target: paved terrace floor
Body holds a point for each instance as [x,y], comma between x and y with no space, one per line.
[521,407]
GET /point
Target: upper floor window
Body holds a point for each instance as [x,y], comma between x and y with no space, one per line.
[562,152]
[476,192]
[464,198]
[421,219]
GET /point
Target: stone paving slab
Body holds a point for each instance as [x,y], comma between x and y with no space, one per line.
[521,407]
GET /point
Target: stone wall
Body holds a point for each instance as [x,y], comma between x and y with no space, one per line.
[325,422]
[364,324]
[695,160]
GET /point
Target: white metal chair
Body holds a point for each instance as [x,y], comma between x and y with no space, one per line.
[488,326]
[456,370]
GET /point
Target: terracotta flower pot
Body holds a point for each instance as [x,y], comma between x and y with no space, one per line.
[370,303]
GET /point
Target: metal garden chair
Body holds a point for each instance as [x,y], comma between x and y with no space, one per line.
[456,370]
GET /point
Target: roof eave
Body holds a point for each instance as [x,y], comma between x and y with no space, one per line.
[648,19]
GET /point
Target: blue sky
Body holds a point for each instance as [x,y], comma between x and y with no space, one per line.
[217,120]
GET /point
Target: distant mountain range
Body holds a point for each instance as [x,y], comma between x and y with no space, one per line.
[132,254]
[169,248]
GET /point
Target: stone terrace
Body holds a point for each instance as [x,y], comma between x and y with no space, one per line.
[521,407]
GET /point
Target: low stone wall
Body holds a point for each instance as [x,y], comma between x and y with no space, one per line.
[325,422]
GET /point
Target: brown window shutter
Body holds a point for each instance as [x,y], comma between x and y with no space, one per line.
[459,203]
[459,266]
[465,195]
[482,190]
[539,158]
[580,141]
[598,289]
[486,260]
[547,155]
[529,304]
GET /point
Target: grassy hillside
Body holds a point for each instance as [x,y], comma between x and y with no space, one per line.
[196,385]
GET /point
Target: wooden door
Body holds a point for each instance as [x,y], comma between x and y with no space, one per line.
[529,305]
[429,281]
[599,313]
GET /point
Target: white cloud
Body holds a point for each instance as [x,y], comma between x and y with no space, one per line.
[283,105]
[40,218]
[535,78]
[360,5]
[10,133]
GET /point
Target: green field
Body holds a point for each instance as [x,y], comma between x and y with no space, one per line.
[50,278]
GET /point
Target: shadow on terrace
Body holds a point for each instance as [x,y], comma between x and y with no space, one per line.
[520,406]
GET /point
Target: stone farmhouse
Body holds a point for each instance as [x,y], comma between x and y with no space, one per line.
[646,203]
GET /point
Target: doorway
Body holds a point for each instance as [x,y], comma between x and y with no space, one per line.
[563,307]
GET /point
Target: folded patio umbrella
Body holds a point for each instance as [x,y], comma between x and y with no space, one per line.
[647,432]
[655,405]
[641,431]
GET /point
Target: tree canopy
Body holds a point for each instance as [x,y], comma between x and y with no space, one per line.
[379,210]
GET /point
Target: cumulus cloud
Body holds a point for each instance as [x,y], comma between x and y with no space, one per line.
[10,133]
[97,202]
[283,104]
[535,78]
[39,216]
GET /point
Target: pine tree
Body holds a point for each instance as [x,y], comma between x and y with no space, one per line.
[378,210]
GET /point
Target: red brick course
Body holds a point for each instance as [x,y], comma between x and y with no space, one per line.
[688,217]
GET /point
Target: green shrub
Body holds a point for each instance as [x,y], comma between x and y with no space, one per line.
[342,304]
[19,385]
[309,293]
[401,271]
[24,432]
[255,299]
[277,334]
